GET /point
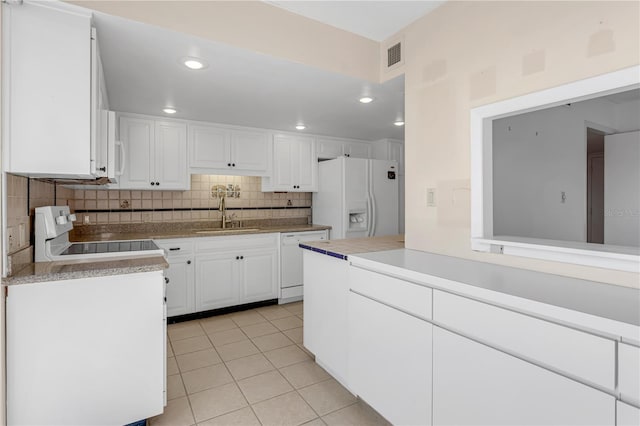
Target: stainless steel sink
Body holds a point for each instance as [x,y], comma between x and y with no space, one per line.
[227,230]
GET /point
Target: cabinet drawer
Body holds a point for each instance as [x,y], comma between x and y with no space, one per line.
[176,247]
[237,242]
[409,297]
[580,354]
[629,372]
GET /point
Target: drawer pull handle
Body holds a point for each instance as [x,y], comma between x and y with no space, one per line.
[166,280]
[174,248]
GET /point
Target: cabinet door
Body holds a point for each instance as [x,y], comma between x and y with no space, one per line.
[390,361]
[329,149]
[170,157]
[249,151]
[259,276]
[357,150]
[305,165]
[283,157]
[137,137]
[47,95]
[627,415]
[216,281]
[209,147]
[396,153]
[180,288]
[474,384]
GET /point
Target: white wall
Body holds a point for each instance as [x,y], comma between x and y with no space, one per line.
[622,189]
[539,155]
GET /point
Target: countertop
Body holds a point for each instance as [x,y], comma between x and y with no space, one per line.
[57,271]
[342,248]
[194,233]
[86,268]
[492,283]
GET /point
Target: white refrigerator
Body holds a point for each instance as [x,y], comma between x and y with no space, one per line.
[357,197]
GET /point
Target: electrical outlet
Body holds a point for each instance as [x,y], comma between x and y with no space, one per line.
[431,197]
[86,220]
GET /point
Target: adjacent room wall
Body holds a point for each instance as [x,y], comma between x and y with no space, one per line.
[467,54]
[539,155]
[622,189]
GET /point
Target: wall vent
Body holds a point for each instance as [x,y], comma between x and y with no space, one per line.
[394,54]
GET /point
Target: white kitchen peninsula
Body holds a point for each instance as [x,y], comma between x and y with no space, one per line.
[473,343]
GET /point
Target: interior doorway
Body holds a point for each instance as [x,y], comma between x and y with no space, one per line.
[595,186]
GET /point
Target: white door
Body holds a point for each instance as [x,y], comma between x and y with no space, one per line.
[181,286]
[627,415]
[137,137]
[259,276]
[357,150]
[209,147]
[49,89]
[216,281]
[283,158]
[384,187]
[357,198]
[474,384]
[249,151]
[329,148]
[305,165]
[171,156]
[390,361]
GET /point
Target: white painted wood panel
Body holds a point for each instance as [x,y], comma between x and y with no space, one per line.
[209,147]
[86,351]
[474,384]
[137,137]
[305,165]
[326,290]
[249,151]
[404,295]
[583,355]
[357,149]
[629,372]
[180,291]
[47,103]
[170,165]
[216,281]
[259,275]
[390,361]
[627,415]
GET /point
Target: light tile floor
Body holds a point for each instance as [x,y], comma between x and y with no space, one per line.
[250,368]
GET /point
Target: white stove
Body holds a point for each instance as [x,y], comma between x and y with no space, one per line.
[53,224]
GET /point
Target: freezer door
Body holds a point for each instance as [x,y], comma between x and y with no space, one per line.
[384,190]
[357,214]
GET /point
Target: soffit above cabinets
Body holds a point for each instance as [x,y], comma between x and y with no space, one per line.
[375,20]
[144,74]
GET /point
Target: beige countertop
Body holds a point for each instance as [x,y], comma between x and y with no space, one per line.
[68,270]
[86,268]
[342,248]
[194,233]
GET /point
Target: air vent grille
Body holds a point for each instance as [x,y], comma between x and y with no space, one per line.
[394,54]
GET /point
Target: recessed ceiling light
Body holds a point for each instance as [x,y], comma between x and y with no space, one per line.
[169,110]
[366,99]
[399,123]
[193,63]
[300,127]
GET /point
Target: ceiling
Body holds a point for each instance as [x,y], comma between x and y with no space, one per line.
[144,75]
[376,20]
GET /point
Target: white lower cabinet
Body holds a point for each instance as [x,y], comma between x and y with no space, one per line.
[627,415]
[180,286]
[216,281]
[474,384]
[258,275]
[326,290]
[390,361]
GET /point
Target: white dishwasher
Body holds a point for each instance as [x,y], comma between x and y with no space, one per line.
[291,277]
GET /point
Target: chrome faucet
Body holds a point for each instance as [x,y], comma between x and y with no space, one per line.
[223,208]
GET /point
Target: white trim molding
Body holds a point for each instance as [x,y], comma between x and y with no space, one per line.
[482,238]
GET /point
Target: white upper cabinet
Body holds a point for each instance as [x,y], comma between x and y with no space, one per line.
[47,99]
[389,149]
[154,154]
[333,148]
[218,150]
[295,165]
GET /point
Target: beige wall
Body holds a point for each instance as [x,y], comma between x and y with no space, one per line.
[259,27]
[468,54]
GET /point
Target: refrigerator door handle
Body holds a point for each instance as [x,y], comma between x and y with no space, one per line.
[373,214]
[369,215]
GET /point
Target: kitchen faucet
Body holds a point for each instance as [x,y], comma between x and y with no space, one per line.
[223,208]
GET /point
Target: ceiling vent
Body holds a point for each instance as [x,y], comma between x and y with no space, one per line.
[394,54]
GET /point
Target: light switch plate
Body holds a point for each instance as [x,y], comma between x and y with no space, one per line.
[431,197]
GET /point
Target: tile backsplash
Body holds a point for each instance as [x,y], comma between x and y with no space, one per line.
[244,200]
